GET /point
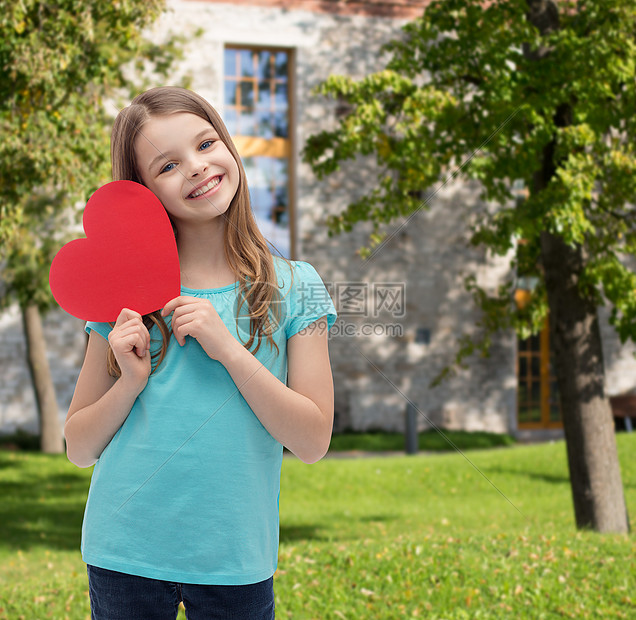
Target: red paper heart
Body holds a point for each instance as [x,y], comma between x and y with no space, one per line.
[128,260]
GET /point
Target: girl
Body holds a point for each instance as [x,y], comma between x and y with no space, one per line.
[186,429]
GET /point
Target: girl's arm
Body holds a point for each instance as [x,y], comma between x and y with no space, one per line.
[101,403]
[300,415]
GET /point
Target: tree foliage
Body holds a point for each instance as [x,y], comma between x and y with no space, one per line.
[476,88]
[65,63]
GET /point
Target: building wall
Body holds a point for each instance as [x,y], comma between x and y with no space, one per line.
[423,264]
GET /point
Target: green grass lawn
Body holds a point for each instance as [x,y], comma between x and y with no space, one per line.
[398,537]
[427,441]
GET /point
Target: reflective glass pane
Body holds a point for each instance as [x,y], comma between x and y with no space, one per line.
[245,124]
[281,66]
[529,414]
[264,95]
[535,393]
[230,93]
[230,118]
[230,62]
[523,367]
[280,124]
[267,179]
[522,393]
[281,96]
[264,124]
[555,412]
[247,95]
[264,70]
[247,63]
[536,366]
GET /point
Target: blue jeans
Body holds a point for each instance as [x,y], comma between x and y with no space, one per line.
[118,596]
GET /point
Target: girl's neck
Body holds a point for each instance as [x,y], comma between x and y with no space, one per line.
[202,257]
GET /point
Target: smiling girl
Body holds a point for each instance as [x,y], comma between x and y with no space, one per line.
[185,412]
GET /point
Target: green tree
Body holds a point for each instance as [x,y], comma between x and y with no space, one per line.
[546,90]
[65,64]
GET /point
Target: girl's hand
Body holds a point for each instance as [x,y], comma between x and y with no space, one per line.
[198,318]
[130,342]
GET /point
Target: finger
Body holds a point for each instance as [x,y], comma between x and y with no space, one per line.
[146,334]
[136,344]
[183,311]
[141,346]
[126,315]
[177,302]
[178,333]
[129,327]
[131,332]
[132,343]
[181,327]
[172,305]
[138,324]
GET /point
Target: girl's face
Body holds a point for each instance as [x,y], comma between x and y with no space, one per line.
[182,160]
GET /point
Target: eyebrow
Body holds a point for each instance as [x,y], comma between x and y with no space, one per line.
[164,156]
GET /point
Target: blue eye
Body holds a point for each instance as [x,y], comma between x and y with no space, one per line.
[167,168]
[206,145]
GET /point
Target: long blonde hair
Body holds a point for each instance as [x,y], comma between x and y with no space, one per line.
[246,249]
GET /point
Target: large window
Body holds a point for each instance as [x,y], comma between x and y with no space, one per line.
[258,116]
[537,393]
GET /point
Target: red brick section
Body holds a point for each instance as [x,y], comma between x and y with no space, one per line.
[408,9]
[403,9]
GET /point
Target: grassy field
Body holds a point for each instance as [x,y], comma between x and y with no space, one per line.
[398,537]
[427,441]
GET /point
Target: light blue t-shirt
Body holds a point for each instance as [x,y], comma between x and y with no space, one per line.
[187,489]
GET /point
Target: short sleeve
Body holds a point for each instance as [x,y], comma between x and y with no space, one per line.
[309,299]
[103,329]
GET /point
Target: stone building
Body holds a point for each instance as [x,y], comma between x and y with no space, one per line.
[400,314]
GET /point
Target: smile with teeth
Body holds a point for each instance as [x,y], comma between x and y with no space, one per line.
[206,188]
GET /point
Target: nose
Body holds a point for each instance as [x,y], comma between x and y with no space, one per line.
[198,166]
